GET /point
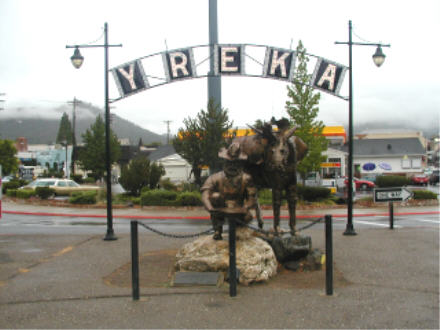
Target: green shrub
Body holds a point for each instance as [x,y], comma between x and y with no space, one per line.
[44,192]
[83,197]
[11,193]
[145,189]
[189,198]
[186,186]
[424,194]
[90,180]
[25,193]
[265,196]
[159,197]
[167,184]
[312,194]
[126,198]
[13,184]
[77,178]
[383,181]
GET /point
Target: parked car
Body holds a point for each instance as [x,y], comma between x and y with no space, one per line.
[61,186]
[7,178]
[420,179]
[362,184]
[434,177]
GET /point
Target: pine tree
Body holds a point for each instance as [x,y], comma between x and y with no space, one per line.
[8,161]
[214,124]
[188,145]
[303,109]
[202,137]
[65,130]
[92,156]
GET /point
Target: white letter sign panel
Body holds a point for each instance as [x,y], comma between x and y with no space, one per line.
[229,59]
[130,78]
[328,76]
[279,63]
[179,64]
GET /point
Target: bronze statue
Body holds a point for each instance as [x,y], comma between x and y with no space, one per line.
[229,191]
[271,161]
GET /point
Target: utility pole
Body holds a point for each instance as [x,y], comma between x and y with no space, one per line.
[168,122]
[214,82]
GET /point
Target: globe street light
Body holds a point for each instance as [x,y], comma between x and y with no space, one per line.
[77,60]
[378,59]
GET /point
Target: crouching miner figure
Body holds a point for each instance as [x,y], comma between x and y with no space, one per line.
[229,191]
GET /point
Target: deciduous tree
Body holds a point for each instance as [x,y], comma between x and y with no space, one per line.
[303,108]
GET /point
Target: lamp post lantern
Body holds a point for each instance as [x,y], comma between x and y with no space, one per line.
[378,59]
[77,60]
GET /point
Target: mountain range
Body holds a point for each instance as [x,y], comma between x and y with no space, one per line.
[40,125]
[43,128]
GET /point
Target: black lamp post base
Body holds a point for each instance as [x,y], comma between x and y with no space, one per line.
[349,231]
[110,236]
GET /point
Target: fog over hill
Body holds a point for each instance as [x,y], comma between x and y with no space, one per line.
[40,125]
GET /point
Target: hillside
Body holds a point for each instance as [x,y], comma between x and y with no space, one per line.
[43,130]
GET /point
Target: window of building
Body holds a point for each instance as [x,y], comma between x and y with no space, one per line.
[406,163]
[416,163]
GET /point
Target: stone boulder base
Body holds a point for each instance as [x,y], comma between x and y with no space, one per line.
[256,260]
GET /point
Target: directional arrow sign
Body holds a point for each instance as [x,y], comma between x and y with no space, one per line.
[395,194]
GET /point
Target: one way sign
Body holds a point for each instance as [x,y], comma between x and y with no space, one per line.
[394,194]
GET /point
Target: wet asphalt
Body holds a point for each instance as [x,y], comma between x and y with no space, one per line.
[386,279]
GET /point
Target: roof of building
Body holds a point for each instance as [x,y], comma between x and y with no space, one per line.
[162,152]
[390,147]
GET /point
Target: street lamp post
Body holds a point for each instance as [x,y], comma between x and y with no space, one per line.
[77,60]
[378,59]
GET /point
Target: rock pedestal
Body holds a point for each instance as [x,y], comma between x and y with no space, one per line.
[296,253]
[256,260]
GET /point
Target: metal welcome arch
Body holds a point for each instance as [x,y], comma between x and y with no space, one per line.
[229,60]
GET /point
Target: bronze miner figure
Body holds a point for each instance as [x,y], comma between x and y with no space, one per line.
[229,191]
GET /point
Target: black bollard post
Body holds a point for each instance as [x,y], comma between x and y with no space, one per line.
[391,211]
[134,259]
[232,258]
[328,256]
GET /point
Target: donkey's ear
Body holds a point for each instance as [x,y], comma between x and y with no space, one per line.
[301,148]
[290,132]
[256,130]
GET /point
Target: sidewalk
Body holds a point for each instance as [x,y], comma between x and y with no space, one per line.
[383,279]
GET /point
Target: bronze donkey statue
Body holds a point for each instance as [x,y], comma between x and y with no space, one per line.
[272,158]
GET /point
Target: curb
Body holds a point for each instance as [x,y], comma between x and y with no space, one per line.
[161,217]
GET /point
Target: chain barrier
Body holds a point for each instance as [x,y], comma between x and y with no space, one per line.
[267,233]
[206,232]
[211,231]
[311,224]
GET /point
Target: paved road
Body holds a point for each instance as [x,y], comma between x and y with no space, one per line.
[22,224]
[53,275]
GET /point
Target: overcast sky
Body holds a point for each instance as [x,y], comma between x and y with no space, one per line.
[36,72]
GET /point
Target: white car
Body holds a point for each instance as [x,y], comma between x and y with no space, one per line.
[61,186]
